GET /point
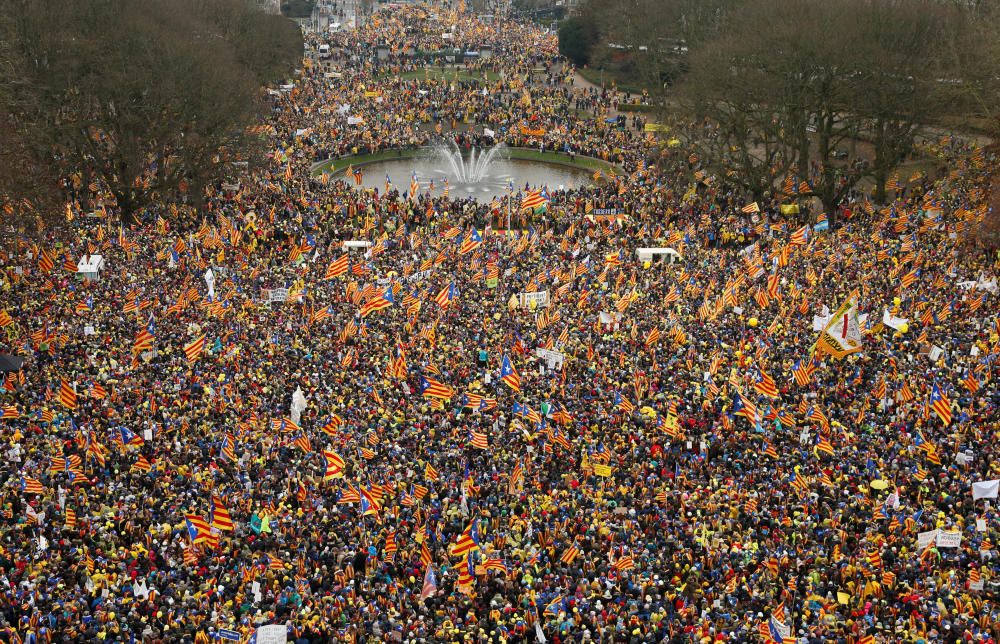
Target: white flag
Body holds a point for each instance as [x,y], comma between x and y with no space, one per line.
[298,404]
[892,321]
[210,281]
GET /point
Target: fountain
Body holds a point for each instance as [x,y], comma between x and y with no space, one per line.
[471,170]
[480,174]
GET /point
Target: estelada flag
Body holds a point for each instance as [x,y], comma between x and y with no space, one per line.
[941,405]
[45,261]
[431,388]
[509,375]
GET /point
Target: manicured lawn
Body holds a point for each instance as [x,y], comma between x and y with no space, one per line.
[333,166]
[554,157]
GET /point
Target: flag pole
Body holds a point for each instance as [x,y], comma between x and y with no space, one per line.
[509,197]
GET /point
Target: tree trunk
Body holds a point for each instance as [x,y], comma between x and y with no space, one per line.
[880,177]
[126,205]
[803,151]
[829,207]
[828,195]
[879,170]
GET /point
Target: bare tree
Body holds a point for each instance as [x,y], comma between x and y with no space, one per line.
[779,75]
[143,98]
[654,36]
[28,186]
[741,138]
[817,75]
[970,51]
[904,90]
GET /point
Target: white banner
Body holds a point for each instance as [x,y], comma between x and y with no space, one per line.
[985,489]
[981,284]
[783,629]
[925,539]
[540,298]
[416,277]
[820,321]
[272,634]
[608,319]
[277,295]
[949,539]
[553,359]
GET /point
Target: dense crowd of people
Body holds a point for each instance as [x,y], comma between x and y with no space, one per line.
[461,433]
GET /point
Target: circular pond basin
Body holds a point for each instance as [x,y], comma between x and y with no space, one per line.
[480,175]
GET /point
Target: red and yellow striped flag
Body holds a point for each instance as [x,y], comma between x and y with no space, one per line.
[45,261]
[194,348]
[67,395]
